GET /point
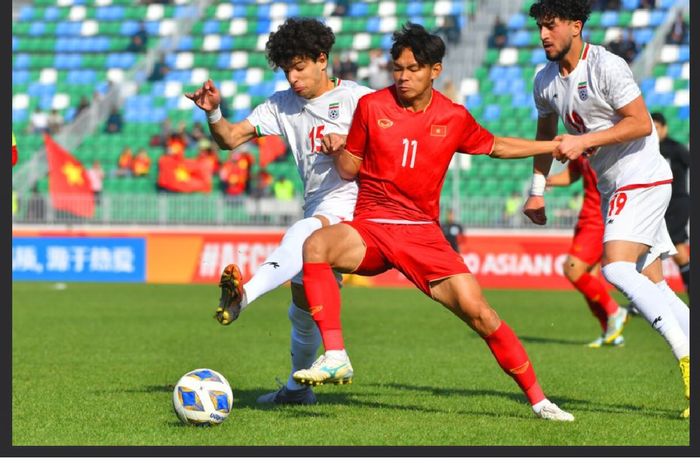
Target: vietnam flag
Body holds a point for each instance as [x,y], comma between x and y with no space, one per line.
[14,149]
[69,185]
[179,174]
[271,147]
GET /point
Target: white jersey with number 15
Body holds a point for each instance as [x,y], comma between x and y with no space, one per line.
[304,122]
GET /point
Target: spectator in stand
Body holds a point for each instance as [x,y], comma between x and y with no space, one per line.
[55,120]
[603,5]
[83,105]
[160,69]
[176,144]
[450,30]
[38,121]
[341,8]
[263,184]
[679,30]
[345,66]
[235,173]
[379,74]
[647,4]
[114,122]
[451,229]
[499,35]
[126,159]
[139,40]
[624,46]
[208,156]
[197,134]
[96,174]
[141,165]
[283,188]
[511,213]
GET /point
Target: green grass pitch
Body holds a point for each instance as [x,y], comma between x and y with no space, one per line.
[95,364]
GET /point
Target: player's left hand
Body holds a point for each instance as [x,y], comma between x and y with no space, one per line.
[570,147]
[332,144]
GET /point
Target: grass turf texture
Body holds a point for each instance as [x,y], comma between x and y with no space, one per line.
[95,364]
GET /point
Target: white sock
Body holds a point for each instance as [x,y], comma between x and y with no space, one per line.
[651,303]
[305,341]
[282,264]
[537,408]
[679,308]
[340,355]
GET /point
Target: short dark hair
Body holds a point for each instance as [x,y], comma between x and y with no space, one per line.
[298,38]
[427,48]
[573,10]
[659,118]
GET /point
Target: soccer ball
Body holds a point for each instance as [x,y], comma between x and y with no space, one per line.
[202,397]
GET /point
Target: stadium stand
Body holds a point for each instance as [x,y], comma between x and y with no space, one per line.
[70,51]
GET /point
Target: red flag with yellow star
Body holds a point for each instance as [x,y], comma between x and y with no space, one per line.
[179,174]
[69,185]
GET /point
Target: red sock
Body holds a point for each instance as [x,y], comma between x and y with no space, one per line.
[323,296]
[511,356]
[599,301]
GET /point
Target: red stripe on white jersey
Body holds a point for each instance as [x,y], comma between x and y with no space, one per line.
[630,187]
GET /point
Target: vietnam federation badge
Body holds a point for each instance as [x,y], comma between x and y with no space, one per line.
[334,110]
[583,90]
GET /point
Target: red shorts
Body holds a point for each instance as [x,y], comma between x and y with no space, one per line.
[588,242]
[419,251]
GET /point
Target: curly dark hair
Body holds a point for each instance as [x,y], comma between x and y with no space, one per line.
[427,48]
[573,10]
[298,38]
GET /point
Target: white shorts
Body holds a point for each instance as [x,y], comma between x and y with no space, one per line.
[637,215]
[335,211]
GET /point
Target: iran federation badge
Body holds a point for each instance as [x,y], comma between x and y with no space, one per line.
[334,110]
[583,90]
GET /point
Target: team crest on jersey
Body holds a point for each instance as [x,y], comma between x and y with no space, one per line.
[334,110]
[583,90]
[385,123]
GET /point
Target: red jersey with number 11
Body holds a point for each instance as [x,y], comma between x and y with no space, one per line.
[405,154]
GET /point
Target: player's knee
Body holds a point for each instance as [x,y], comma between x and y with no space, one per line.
[315,249]
[481,317]
[617,273]
[571,271]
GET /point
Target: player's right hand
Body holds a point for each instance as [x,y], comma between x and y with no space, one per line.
[206,97]
[534,209]
[332,144]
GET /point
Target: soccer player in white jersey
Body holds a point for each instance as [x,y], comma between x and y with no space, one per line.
[602,108]
[314,115]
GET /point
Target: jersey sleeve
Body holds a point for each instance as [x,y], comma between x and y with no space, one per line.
[476,139]
[264,118]
[357,136]
[541,103]
[615,80]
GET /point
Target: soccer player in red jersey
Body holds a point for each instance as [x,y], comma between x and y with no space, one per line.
[582,264]
[400,144]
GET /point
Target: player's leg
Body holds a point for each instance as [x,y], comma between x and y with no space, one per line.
[677,221]
[337,247]
[304,343]
[462,295]
[581,269]
[681,312]
[279,267]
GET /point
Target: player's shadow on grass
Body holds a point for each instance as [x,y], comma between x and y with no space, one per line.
[549,340]
[571,404]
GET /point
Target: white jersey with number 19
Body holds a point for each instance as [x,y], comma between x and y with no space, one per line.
[586,101]
[304,122]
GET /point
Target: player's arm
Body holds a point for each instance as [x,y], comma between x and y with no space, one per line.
[635,124]
[534,207]
[347,164]
[563,178]
[513,147]
[226,134]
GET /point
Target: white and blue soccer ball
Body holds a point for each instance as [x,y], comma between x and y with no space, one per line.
[202,397]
